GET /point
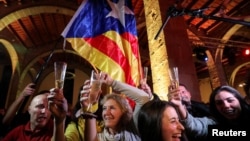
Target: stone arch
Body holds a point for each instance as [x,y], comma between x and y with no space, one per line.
[219,52]
[29,66]
[230,32]
[14,63]
[6,20]
[16,15]
[232,77]
[13,55]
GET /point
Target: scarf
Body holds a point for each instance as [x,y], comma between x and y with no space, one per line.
[122,136]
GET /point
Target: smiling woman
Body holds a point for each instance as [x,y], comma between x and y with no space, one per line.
[229,107]
[158,120]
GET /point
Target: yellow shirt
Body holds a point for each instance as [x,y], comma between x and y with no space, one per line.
[71,132]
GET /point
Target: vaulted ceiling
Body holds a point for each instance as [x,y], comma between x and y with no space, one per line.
[39,33]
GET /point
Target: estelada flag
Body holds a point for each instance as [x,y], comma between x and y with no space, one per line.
[104,33]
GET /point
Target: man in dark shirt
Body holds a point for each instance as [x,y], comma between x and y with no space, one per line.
[195,108]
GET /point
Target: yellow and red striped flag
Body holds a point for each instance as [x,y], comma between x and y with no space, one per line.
[104,33]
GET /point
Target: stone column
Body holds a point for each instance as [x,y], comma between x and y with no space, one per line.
[170,49]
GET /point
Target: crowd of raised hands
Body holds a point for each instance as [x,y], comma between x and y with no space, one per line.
[108,116]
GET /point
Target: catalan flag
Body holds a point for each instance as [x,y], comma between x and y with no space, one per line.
[104,33]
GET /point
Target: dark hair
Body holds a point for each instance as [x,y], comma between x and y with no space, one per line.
[156,97]
[185,86]
[181,84]
[149,120]
[244,106]
[77,106]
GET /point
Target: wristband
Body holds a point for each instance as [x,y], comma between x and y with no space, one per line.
[87,115]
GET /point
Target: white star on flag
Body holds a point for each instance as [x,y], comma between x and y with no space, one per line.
[118,11]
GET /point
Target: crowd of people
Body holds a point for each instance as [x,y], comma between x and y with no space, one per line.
[109,116]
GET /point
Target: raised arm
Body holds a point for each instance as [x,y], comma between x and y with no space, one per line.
[196,125]
[175,98]
[11,111]
[58,106]
[193,125]
[146,88]
[90,131]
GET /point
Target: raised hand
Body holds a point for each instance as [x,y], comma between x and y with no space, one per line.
[145,87]
[58,104]
[28,90]
[174,96]
[106,79]
[88,98]
[84,94]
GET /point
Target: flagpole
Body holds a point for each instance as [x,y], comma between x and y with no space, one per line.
[38,76]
